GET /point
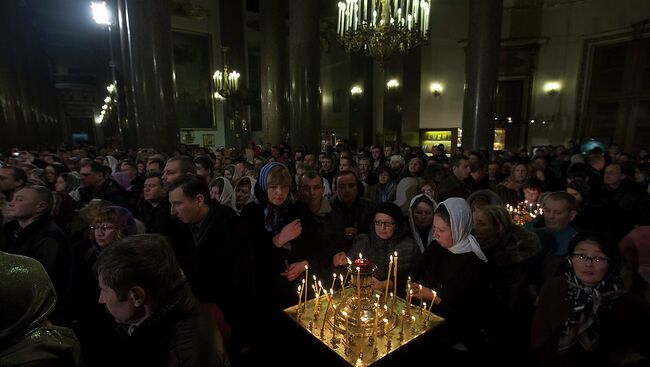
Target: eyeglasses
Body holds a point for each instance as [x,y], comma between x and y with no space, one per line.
[103,228]
[379,223]
[594,259]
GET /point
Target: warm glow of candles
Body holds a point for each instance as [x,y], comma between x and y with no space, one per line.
[420,295]
[433,300]
[333,280]
[402,322]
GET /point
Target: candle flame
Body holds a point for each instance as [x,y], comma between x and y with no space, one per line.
[349,262]
[306,267]
[360,256]
[395,253]
[391,258]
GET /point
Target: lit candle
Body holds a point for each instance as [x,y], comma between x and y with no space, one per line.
[333,280]
[359,290]
[316,293]
[299,296]
[390,266]
[424,307]
[364,321]
[420,295]
[385,326]
[305,282]
[336,316]
[342,285]
[395,275]
[433,299]
[401,331]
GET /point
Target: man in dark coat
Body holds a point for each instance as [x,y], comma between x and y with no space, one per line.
[455,185]
[95,185]
[32,233]
[160,321]
[217,269]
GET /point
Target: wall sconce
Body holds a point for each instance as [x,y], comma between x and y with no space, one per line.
[392,84]
[436,89]
[552,88]
[356,90]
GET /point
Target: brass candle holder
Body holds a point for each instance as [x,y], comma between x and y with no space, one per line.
[357,325]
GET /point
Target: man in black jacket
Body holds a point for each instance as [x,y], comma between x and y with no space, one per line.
[95,185]
[218,259]
[160,321]
[32,233]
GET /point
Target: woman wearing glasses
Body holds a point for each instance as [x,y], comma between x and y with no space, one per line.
[586,318]
[111,224]
[389,234]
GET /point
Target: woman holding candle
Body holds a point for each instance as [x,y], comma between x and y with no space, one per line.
[585,318]
[454,266]
[389,234]
[285,237]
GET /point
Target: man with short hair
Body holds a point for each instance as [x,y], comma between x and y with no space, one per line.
[455,185]
[155,166]
[355,211]
[366,173]
[161,323]
[95,185]
[155,208]
[377,157]
[327,171]
[33,233]
[217,252]
[178,166]
[311,161]
[330,223]
[11,180]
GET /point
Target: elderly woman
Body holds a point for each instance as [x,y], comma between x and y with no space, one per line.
[284,236]
[585,318]
[389,234]
[27,299]
[454,267]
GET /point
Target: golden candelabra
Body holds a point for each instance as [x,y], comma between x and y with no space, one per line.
[355,323]
[524,212]
[383,28]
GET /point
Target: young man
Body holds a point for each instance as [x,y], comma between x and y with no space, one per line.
[32,233]
[455,185]
[218,252]
[178,166]
[162,324]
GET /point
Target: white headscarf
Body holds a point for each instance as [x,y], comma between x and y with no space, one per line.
[460,218]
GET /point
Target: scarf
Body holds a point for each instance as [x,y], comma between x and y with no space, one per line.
[582,326]
[460,217]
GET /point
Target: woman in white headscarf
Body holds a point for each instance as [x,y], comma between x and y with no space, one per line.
[455,268]
[222,191]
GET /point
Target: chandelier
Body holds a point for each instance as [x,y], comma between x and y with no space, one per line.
[225,82]
[383,28]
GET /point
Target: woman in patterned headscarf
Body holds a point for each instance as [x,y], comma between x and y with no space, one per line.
[585,318]
[285,235]
[27,299]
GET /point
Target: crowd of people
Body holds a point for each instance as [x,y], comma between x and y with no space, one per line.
[136,257]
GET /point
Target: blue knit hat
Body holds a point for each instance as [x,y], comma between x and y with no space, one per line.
[264,174]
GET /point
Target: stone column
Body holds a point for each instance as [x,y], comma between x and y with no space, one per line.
[147,36]
[272,50]
[304,74]
[481,72]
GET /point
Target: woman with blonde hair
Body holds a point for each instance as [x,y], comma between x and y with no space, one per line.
[284,235]
[511,190]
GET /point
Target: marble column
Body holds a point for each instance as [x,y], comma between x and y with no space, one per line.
[146,32]
[272,50]
[304,74]
[233,36]
[481,72]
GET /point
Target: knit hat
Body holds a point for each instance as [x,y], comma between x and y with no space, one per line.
[264,174]
[391,210]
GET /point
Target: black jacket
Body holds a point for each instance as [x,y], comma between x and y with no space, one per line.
[180,333]
[109,190]
[44,241]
